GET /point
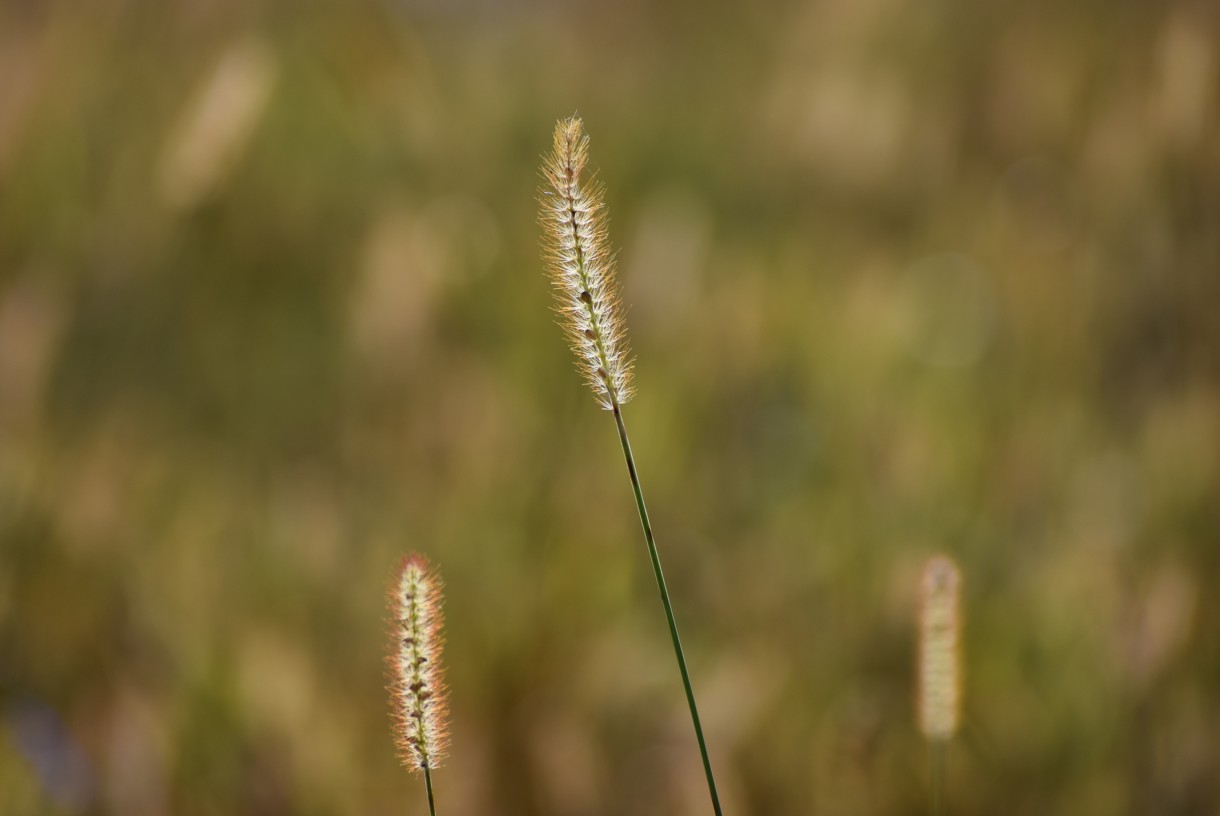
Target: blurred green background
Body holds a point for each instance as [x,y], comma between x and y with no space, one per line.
[902,277]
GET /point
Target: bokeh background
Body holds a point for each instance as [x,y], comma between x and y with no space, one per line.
[902,277]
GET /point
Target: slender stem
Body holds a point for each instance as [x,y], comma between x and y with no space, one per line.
[936,765]
[428,785]
[669,610]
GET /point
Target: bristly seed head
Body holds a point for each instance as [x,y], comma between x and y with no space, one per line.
[939,639]
[417,689]
[581,267]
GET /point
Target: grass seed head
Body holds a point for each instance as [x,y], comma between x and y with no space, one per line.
[939,655]
[417,686]
[581,267]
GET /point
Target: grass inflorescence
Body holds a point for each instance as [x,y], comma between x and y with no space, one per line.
[581,266]
[418,705]
[939,666]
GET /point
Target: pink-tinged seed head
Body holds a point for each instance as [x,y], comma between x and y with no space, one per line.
[418,708]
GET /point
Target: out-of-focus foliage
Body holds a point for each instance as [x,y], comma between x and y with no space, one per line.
[901,277]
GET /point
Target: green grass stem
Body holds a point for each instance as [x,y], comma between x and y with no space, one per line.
[669,610]
[428,785]
[937,758]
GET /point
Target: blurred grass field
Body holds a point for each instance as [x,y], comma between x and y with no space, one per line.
[900,278]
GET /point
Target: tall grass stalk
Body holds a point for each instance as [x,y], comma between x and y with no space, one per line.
[582,272]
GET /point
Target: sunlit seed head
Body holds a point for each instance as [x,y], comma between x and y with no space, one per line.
[581,267]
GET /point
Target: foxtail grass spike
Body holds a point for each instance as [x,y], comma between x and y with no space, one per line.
[417,685]
[939,666]
[581,267]
[939,642]
[582,270]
